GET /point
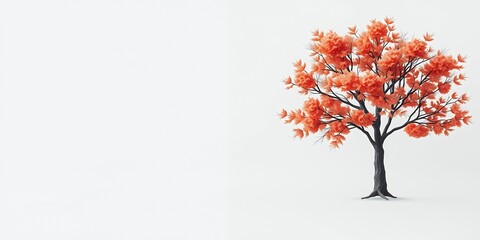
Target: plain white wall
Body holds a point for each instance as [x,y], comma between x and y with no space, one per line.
[112,121]
[285,188]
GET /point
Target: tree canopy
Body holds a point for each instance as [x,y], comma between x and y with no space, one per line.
[363,80]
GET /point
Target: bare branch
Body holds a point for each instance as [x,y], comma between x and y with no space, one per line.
[362,129]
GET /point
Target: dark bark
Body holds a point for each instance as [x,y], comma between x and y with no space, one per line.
[379,179]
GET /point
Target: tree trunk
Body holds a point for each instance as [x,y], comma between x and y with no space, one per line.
[380,180]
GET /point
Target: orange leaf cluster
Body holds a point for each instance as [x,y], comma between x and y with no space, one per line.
[392,61]
[440,66]
[416,131]
[303,79]
[362,119]
[346,82]
[334,48]
[377,30]
[415,48]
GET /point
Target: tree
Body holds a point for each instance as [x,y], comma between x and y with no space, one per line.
[376,82]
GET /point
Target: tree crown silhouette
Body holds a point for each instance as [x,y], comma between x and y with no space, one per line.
[363,80]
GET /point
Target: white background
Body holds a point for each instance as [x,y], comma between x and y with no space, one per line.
[111,120]
[157,120]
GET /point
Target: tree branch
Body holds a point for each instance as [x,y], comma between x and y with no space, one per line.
[362,129]
[317,90]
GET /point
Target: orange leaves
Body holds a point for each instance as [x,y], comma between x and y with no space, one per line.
[440,66]
[455,109]
[346,82]
[372,84]
[458,78]
[359,118]
[338,127]
[334,49]
[317,35]
[298,133]
[459,114]
[411,78]
[313,108]
[416,130]
[288,83]
[464,98]
[315,117]
[400,91]
[428,37]
[291,117]
[437,128]
[302,78]
[336,140]
[352,30]
[334,106]
[299,66]
[376,70]
[395,37]
[319,67]
[427,89]
[454,95]
[312,124]
[363,45]
[443,119]
[377,30]
[334,46]
[415,48]
[436,109]
[314,111]
[336,133]
[467,120]
[299,117]
[327,83]
[294,116]
[388,21]
[444,88]
[392,59]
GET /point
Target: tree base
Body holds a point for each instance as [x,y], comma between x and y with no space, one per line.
[383,194]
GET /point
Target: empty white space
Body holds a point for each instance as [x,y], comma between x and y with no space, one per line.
[285,188]
[112,121]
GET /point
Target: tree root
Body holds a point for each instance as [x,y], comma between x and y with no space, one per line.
[379,193]
[373,194]
[389,195]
